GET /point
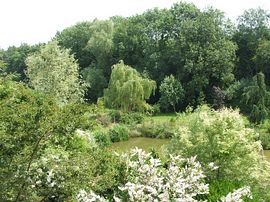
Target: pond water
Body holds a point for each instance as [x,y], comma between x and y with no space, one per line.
[267,154]
[150,143]
[141,142]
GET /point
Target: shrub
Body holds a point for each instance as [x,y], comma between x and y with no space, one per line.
[156,109]
[119,133]
[102,137]
[115,115]
[222,137]
[264,131]
[58,175]
[104,119]
[150,179]
[154,129]
[132,118]
[29,124]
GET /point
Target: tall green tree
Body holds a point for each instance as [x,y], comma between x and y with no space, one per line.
[193,45]
[96,81]
[76,38]
[171,93]
[127,89]
[257,97]
[14,57]
[262,59]
[54,72]
[253,27]
[92,45]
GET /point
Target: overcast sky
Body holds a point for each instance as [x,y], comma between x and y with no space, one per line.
[33,21]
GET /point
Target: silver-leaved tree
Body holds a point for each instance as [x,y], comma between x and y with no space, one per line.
[54,71]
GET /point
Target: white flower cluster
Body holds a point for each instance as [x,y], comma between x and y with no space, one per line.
[88,136]
[83,196]
[182,180]
[237,195]
[47,171]
[148,180]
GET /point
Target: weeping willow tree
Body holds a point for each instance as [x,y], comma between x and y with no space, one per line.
[127,89]
[258,97]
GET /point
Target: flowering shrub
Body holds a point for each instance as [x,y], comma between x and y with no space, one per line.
[148,179]
[223,138]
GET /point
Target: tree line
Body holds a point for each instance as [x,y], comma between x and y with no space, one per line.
[193,57]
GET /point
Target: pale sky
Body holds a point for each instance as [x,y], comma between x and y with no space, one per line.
[34,21]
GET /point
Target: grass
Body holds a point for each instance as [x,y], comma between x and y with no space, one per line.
[147,144]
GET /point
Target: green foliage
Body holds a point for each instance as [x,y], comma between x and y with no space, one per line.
[100,43]
[119,133]
[29,124]
[194,46]
[262,59]
[54,72]
[127,90]
[251,96]
[14,58]
[102,137]
[258,98]
[171,92]
[96,83]
[59,175]
[27,121]
[75,38]
[131,118]
[223,138]
[264,133]
[253,28]
[217,189]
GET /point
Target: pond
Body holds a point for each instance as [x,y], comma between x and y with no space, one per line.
[267,154]
[150,143]
[141,142]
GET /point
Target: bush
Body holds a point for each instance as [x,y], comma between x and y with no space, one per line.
[264,131]
[58,175]
[119,133]
[132,118]
[30,124]
[150,179]
[104,119]
[102,137]
[156,109]
[154,129]
[115,115]
[222,137]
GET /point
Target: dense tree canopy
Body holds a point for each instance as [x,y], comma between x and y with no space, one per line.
[15,57]
[202,49]
[253,27]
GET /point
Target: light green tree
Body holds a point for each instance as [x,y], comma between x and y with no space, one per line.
[54,72]
[127,89]
[171,92]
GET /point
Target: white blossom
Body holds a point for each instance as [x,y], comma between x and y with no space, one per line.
[148,180]
[237,195]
